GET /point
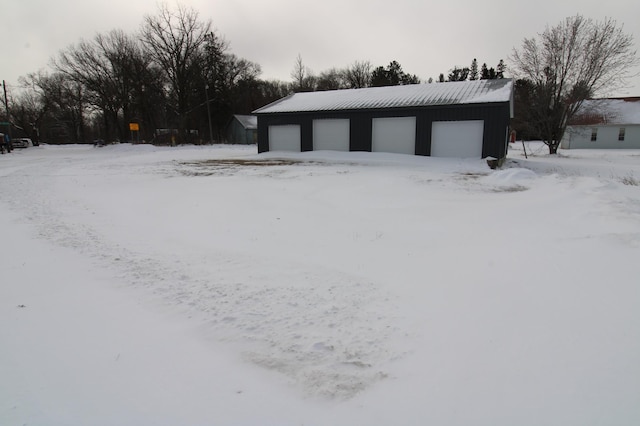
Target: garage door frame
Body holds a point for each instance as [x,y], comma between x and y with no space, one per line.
[394,135]
[457,139]
[285,137]
[332,134]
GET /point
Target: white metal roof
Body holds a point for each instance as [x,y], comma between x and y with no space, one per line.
[249,122]
[411,95]
[608,112]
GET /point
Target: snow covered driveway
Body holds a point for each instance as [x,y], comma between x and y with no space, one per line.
[350,288]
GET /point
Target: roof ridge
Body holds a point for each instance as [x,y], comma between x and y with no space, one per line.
[402,96]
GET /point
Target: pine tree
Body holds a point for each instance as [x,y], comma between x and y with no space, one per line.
[393,75]
[500,69]
[484,72]
[458,74]
[379,77]
[473,70]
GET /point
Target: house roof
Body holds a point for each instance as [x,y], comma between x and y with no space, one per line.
[611,111]
[249,122]
[411,95]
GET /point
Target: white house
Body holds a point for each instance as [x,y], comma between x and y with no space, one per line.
[605,123]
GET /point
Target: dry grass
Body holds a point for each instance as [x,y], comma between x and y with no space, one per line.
[220,166]
[470,175]
[630,180]
[235,162]
[513,188]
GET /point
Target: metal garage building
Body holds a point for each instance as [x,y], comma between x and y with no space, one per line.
[456,119]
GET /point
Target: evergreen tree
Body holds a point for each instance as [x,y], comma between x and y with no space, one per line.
[410,79]
[379,77]
[500,69]
[393,75]
[484,72]
[473,70]
[458,74]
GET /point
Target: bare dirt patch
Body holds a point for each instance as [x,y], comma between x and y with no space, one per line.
[512,188]
[221,166]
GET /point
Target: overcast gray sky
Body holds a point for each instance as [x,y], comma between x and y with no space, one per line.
[425,37]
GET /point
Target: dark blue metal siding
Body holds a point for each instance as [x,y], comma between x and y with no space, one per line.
[496,117]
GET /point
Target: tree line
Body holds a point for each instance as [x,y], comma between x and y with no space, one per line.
[178,80]
[163,77]
[473,73]
[358,75]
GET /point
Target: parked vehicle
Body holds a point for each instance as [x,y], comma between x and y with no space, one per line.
[21,142]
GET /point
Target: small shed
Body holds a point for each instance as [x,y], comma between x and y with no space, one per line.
[243,129]
[605,123]
[454,119]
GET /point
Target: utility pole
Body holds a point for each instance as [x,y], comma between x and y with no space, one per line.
[6,108]
[6,102]
[206,96]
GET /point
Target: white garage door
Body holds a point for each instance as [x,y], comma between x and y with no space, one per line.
[284,138]
[462,139]
[331,134]
[394,134]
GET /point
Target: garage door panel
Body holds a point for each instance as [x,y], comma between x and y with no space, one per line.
[394,134]
[462,139]
[331,134]
[284,138]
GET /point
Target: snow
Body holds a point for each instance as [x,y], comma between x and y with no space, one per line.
[213,285]
[410,95]
[249,122]
[612,111]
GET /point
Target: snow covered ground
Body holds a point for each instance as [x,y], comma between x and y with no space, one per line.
[214,286]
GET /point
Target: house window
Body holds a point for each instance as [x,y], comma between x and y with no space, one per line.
[621,134]
[594,134]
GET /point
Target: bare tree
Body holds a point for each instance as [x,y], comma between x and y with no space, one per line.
[60,107]
[358,74]
[332,79]
[175,39]
[303,78]
[29,110]
[272,90]
[112,69]
[568,63]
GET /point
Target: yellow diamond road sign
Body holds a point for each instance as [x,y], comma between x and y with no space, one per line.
[134,127]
